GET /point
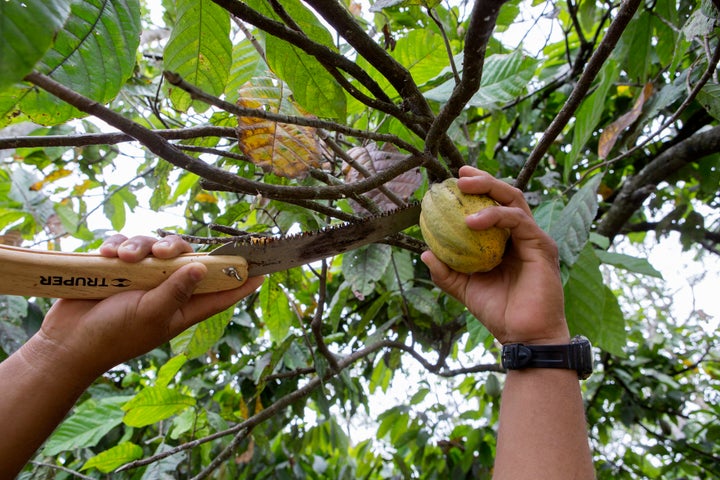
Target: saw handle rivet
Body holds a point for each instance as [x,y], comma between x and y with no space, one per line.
[232,272]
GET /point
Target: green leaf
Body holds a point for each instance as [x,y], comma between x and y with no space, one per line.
[88,424]
[424,301]
[199,50]
[161,191]
[505,77]
[114,457]
[167,372]
[311,84]
[709,98]
[199,338]
[94,54]
[247,63]
[154,404]
[365,266]
[422,53]
[379,5]
[628,262]
[114,209]
[547,214]
[638,47]
[275,305]
[589,113]
[477,333]
[572,228]
[591,307]
[27,30]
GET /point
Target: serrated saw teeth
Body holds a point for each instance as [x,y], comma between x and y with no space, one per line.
[259,241]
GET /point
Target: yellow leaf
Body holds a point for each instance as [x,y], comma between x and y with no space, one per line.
[206,198]
[284,149]
[624,91]
[50,177]
[79,190]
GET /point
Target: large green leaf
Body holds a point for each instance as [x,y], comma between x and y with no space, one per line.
[637,46]
[114,457]
[199,50]
[591,307]
[572,228]
[275,305]
[88,424]
[628,262]
[505,77]
[247,63]
[709,98]
[94,54]
[154,404]
[312,85]
[589,113]
[25,203]
[27,30]
[423,54]
[365,266]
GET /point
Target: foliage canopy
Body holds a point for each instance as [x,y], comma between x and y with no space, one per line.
[264,117]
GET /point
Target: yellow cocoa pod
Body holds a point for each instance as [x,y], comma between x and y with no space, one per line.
[442,222]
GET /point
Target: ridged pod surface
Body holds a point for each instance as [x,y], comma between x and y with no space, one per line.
[442,222]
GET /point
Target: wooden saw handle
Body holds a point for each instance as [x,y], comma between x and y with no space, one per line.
[36,273]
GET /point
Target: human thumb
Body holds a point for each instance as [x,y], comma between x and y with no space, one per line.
[174,292]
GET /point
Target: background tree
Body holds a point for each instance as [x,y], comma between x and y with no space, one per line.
[265,117]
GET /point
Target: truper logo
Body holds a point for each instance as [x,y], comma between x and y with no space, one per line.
[59,280]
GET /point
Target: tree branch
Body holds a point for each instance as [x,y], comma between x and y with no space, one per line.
[638,188]
[482,22]
[398,76]
[325,55]
[82,140]
[598,58]
[165,150]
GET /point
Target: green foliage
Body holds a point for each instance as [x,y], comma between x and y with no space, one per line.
[94,54]
[38,22]
[356,367]
[199,49]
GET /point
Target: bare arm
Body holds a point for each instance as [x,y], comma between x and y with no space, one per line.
[81,339]
[542,424]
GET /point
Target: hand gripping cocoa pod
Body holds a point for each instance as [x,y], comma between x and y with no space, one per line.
[442,222]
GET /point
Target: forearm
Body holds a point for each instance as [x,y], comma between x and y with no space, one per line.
[38,390]
[542,427]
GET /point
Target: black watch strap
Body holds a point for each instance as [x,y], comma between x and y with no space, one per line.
[577,355]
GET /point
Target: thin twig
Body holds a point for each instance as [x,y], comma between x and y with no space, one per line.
[222,456]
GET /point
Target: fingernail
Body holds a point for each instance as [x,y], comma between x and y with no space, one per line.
[129,247]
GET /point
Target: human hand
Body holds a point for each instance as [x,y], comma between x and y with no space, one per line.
[521,300]
[93,336]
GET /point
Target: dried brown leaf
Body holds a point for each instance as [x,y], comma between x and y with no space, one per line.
[376,160]
[612,132]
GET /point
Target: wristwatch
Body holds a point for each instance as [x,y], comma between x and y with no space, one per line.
[577,355]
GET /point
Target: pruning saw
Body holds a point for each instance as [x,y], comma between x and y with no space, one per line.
[91,276]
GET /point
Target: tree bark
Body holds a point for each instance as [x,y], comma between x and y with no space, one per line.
[639,187]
